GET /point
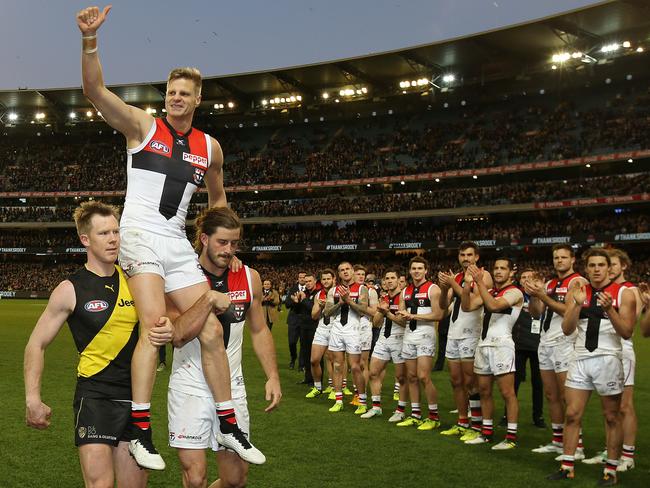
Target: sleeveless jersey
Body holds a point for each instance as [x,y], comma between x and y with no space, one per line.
[390,328]
[497,326]
[163,173]
[372,297]
[346,317]
[627,343]
[187,371]
[104,328]
[596,334]
[463,325]
[417,301]
[324,322]
[552,323]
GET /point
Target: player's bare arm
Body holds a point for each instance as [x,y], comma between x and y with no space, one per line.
[214,177]
[436,313]
[623,319]
[263,345]
[132,122]
[331,308]
[470,298]
[554,305]
[574,299]
[59,307]
[644,322]
[535,290]
[373,301]
[317,309]
[362,306]
[187,326]
[447,288]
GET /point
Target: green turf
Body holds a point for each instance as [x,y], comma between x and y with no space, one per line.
[305,445]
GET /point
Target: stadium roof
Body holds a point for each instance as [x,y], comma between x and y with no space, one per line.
[504,54]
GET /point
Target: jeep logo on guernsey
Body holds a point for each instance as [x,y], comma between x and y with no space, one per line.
[96,306]
[195,160]
[237,295]
[159,147]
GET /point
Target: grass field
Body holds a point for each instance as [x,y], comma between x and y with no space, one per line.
[305,445]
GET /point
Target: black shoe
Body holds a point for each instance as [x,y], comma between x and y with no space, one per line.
[539,423]
[608,480]
[503,422]
[292,364]
[561,474]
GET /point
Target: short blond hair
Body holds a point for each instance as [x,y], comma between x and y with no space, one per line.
[84,213]
[187,73]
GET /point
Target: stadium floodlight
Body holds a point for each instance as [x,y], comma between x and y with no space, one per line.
[576,55]
[630,160]
[13,116]
[609,48]
[402,182]
[292,98]
[231,105]
[299,98]
[627,44]
[265,102]
[72,115]
[40,116]
[89,113]
[364,89]
[325,95]
[474,177]
[99,114]
[560,57]
[587,165]
[449,78]
[554,67]
[437,180]
[639,49]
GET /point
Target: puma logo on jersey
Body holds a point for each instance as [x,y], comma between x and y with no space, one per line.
[109,287]
[196,160]
[159,147]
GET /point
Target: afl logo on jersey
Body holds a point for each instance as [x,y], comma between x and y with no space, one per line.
[159,147]
[96,306]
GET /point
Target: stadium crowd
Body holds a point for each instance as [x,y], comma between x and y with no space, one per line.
[543,191]
[388,145]
[44,276]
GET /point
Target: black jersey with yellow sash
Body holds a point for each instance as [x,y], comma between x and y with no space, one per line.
[104,327]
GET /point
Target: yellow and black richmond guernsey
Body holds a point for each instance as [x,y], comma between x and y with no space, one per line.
[104,327]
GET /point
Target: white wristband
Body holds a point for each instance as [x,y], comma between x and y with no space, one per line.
[90,51]
[89,37]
